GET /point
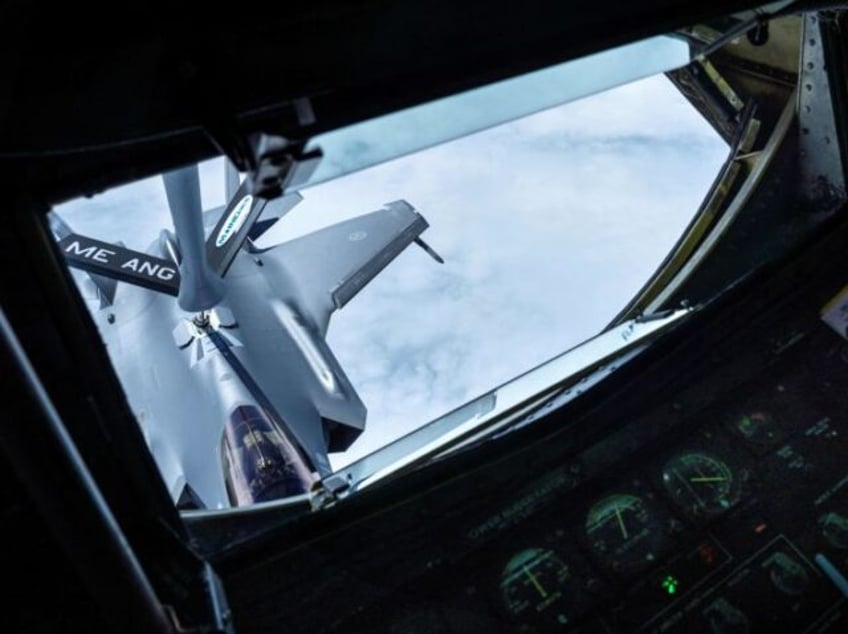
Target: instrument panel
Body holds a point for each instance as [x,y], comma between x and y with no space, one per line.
[704,491]
[718,534]
[715,529]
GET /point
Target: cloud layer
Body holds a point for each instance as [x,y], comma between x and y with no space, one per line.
[548,226]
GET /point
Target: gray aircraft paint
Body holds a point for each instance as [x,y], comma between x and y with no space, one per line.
[274,317]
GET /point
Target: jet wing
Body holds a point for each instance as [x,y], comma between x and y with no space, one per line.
[332,265]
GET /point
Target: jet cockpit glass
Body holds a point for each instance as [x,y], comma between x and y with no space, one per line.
[260,463]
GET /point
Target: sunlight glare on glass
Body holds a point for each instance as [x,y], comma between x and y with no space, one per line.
[376,140]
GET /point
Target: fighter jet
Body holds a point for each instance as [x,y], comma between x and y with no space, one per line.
[221,346]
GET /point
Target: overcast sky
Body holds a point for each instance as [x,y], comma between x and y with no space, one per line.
[548,226]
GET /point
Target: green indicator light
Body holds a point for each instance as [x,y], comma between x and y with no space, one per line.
[669,584]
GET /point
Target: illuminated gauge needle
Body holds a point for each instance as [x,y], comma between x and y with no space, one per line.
[535,581]
[709,479]
[621,523]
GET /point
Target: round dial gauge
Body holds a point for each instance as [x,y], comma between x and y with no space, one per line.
[834,527]
[624,532]
[534,581]
[700,484]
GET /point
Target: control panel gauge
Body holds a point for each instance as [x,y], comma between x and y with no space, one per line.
[535,581]
[700,484]
[726,618]
[625,532]
[834,528]
[787,573]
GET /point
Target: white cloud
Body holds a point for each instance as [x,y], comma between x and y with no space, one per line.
[548,227]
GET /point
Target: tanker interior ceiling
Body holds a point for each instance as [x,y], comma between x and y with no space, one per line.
[90,117]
